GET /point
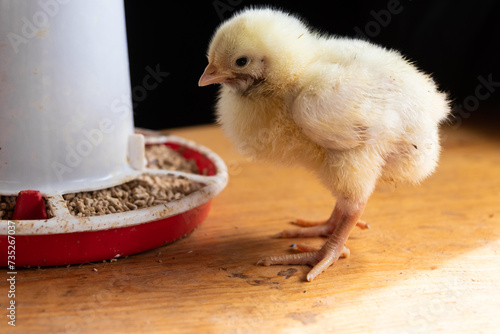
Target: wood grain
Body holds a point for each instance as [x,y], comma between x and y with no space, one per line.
[429,263]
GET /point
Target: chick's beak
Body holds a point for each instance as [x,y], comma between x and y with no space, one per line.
[212,75]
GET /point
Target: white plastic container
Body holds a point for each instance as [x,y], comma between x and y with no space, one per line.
[65,105]
[66,125]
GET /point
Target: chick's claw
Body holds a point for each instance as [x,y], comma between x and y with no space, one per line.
[362,225]
[314,229]
[305,248]
[307,223]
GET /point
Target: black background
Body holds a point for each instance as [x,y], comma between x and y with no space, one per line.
[455,41]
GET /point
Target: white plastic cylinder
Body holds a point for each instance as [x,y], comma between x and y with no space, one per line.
[65,105]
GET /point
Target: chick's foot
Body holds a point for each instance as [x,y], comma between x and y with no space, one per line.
[343,223]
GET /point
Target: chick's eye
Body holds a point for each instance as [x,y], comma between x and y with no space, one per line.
[242,61]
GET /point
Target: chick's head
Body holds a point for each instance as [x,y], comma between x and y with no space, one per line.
[256,48]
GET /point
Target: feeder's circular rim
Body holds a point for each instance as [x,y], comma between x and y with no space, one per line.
[64,222]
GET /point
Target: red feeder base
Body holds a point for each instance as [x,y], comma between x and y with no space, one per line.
[81,247]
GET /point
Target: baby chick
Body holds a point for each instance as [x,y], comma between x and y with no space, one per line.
[351,111]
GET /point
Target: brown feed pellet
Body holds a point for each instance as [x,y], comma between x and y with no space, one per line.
[143,192]
[163,157]
[7,204]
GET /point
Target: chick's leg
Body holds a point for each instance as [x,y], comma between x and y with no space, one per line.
[332,249]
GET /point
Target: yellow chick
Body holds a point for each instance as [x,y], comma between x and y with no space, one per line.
[351,111]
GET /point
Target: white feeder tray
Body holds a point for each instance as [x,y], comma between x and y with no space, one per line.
[66,125]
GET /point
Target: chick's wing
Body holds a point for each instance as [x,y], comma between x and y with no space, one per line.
[340,107]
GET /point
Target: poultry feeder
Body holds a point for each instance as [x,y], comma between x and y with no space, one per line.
[66,126]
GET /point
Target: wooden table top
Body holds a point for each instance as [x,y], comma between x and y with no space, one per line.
[429,263]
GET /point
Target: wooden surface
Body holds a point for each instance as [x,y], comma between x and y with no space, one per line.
[429,263]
